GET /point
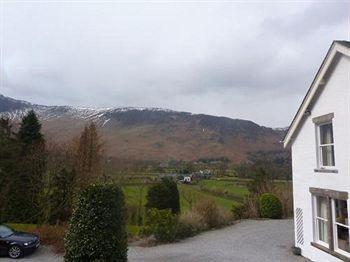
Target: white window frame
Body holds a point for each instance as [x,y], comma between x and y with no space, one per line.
[319,146]
[316,218]
[335,228]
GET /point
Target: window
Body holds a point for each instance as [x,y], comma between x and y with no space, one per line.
[326,145]
[321,220]
[5,231]
[331,222]
[340,226]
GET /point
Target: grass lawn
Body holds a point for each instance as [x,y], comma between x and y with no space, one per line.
[225,186]
[133,192]
[193,192]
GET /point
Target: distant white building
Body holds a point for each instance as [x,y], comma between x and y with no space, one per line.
[187,179]
[319,137]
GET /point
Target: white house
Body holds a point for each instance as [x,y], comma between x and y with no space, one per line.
[319,137]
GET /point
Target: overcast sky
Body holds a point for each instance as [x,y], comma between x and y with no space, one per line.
[249,60]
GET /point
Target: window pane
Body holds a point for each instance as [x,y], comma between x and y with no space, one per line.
[327,155]
[326,134]
[321,207]
[341,212]
[322,230]
[343,238]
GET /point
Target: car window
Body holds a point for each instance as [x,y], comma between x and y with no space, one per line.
[5,231]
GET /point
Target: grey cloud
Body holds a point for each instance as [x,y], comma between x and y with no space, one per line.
[239,60]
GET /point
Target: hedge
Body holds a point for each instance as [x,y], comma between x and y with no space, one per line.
[97,230]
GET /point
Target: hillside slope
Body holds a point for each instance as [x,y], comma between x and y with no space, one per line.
[153,133]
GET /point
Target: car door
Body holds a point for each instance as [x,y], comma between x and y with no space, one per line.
[3,246]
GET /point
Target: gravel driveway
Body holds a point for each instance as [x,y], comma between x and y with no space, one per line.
[43,254]
[248,241]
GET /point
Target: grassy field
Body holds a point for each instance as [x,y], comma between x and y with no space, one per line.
[229,187]
[224,192]
[193,193]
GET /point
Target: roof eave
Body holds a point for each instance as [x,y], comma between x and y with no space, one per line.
[336,47]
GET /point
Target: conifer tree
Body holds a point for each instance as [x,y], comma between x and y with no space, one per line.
[9,153]
[29,133]
[32,167]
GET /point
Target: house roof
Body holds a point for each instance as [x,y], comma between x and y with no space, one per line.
[337,47]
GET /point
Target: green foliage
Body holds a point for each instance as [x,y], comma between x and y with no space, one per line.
[32,165]
[57,196]
[22,164]
[162,224]
[270,206]
[164,195]
[239,211]
[184,230]
[97,230]
[9,155]
[30,131]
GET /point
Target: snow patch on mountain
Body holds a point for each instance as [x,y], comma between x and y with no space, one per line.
[17,109]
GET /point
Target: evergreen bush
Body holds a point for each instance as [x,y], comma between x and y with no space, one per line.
[270,206]
[164,195]
[162,224]
[97,230]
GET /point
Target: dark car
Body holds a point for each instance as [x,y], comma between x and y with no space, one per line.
[15,244]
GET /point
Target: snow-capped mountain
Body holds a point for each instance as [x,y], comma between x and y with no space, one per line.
[16,109]
[152,133]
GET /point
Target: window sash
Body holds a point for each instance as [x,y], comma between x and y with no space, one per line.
[325,159]
[336,229]
[318,220]
[322,231]
[326,133]
[327,155]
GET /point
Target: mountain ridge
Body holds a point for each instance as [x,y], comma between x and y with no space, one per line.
[153,133]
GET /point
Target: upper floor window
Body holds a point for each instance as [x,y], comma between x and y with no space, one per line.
[326,145]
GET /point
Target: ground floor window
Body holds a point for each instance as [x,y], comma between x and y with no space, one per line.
[340,225]
[321,220]
[331,221]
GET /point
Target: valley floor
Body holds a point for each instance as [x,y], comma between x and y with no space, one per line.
[248,241]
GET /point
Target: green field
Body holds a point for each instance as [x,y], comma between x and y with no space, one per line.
[229,187]
[195,193]
[224,192]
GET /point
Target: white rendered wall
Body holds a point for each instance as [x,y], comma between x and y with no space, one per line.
[335,98]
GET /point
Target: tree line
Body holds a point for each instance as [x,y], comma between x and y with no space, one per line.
[39,179]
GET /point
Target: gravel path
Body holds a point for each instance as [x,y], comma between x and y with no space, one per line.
[248,241]
[43,254]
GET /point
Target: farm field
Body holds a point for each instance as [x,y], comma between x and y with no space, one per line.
[224,192]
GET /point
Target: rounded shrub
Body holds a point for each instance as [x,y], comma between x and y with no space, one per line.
[270,206]
[97,230]
[164,195]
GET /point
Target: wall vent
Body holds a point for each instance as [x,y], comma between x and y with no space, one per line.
[299,225]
